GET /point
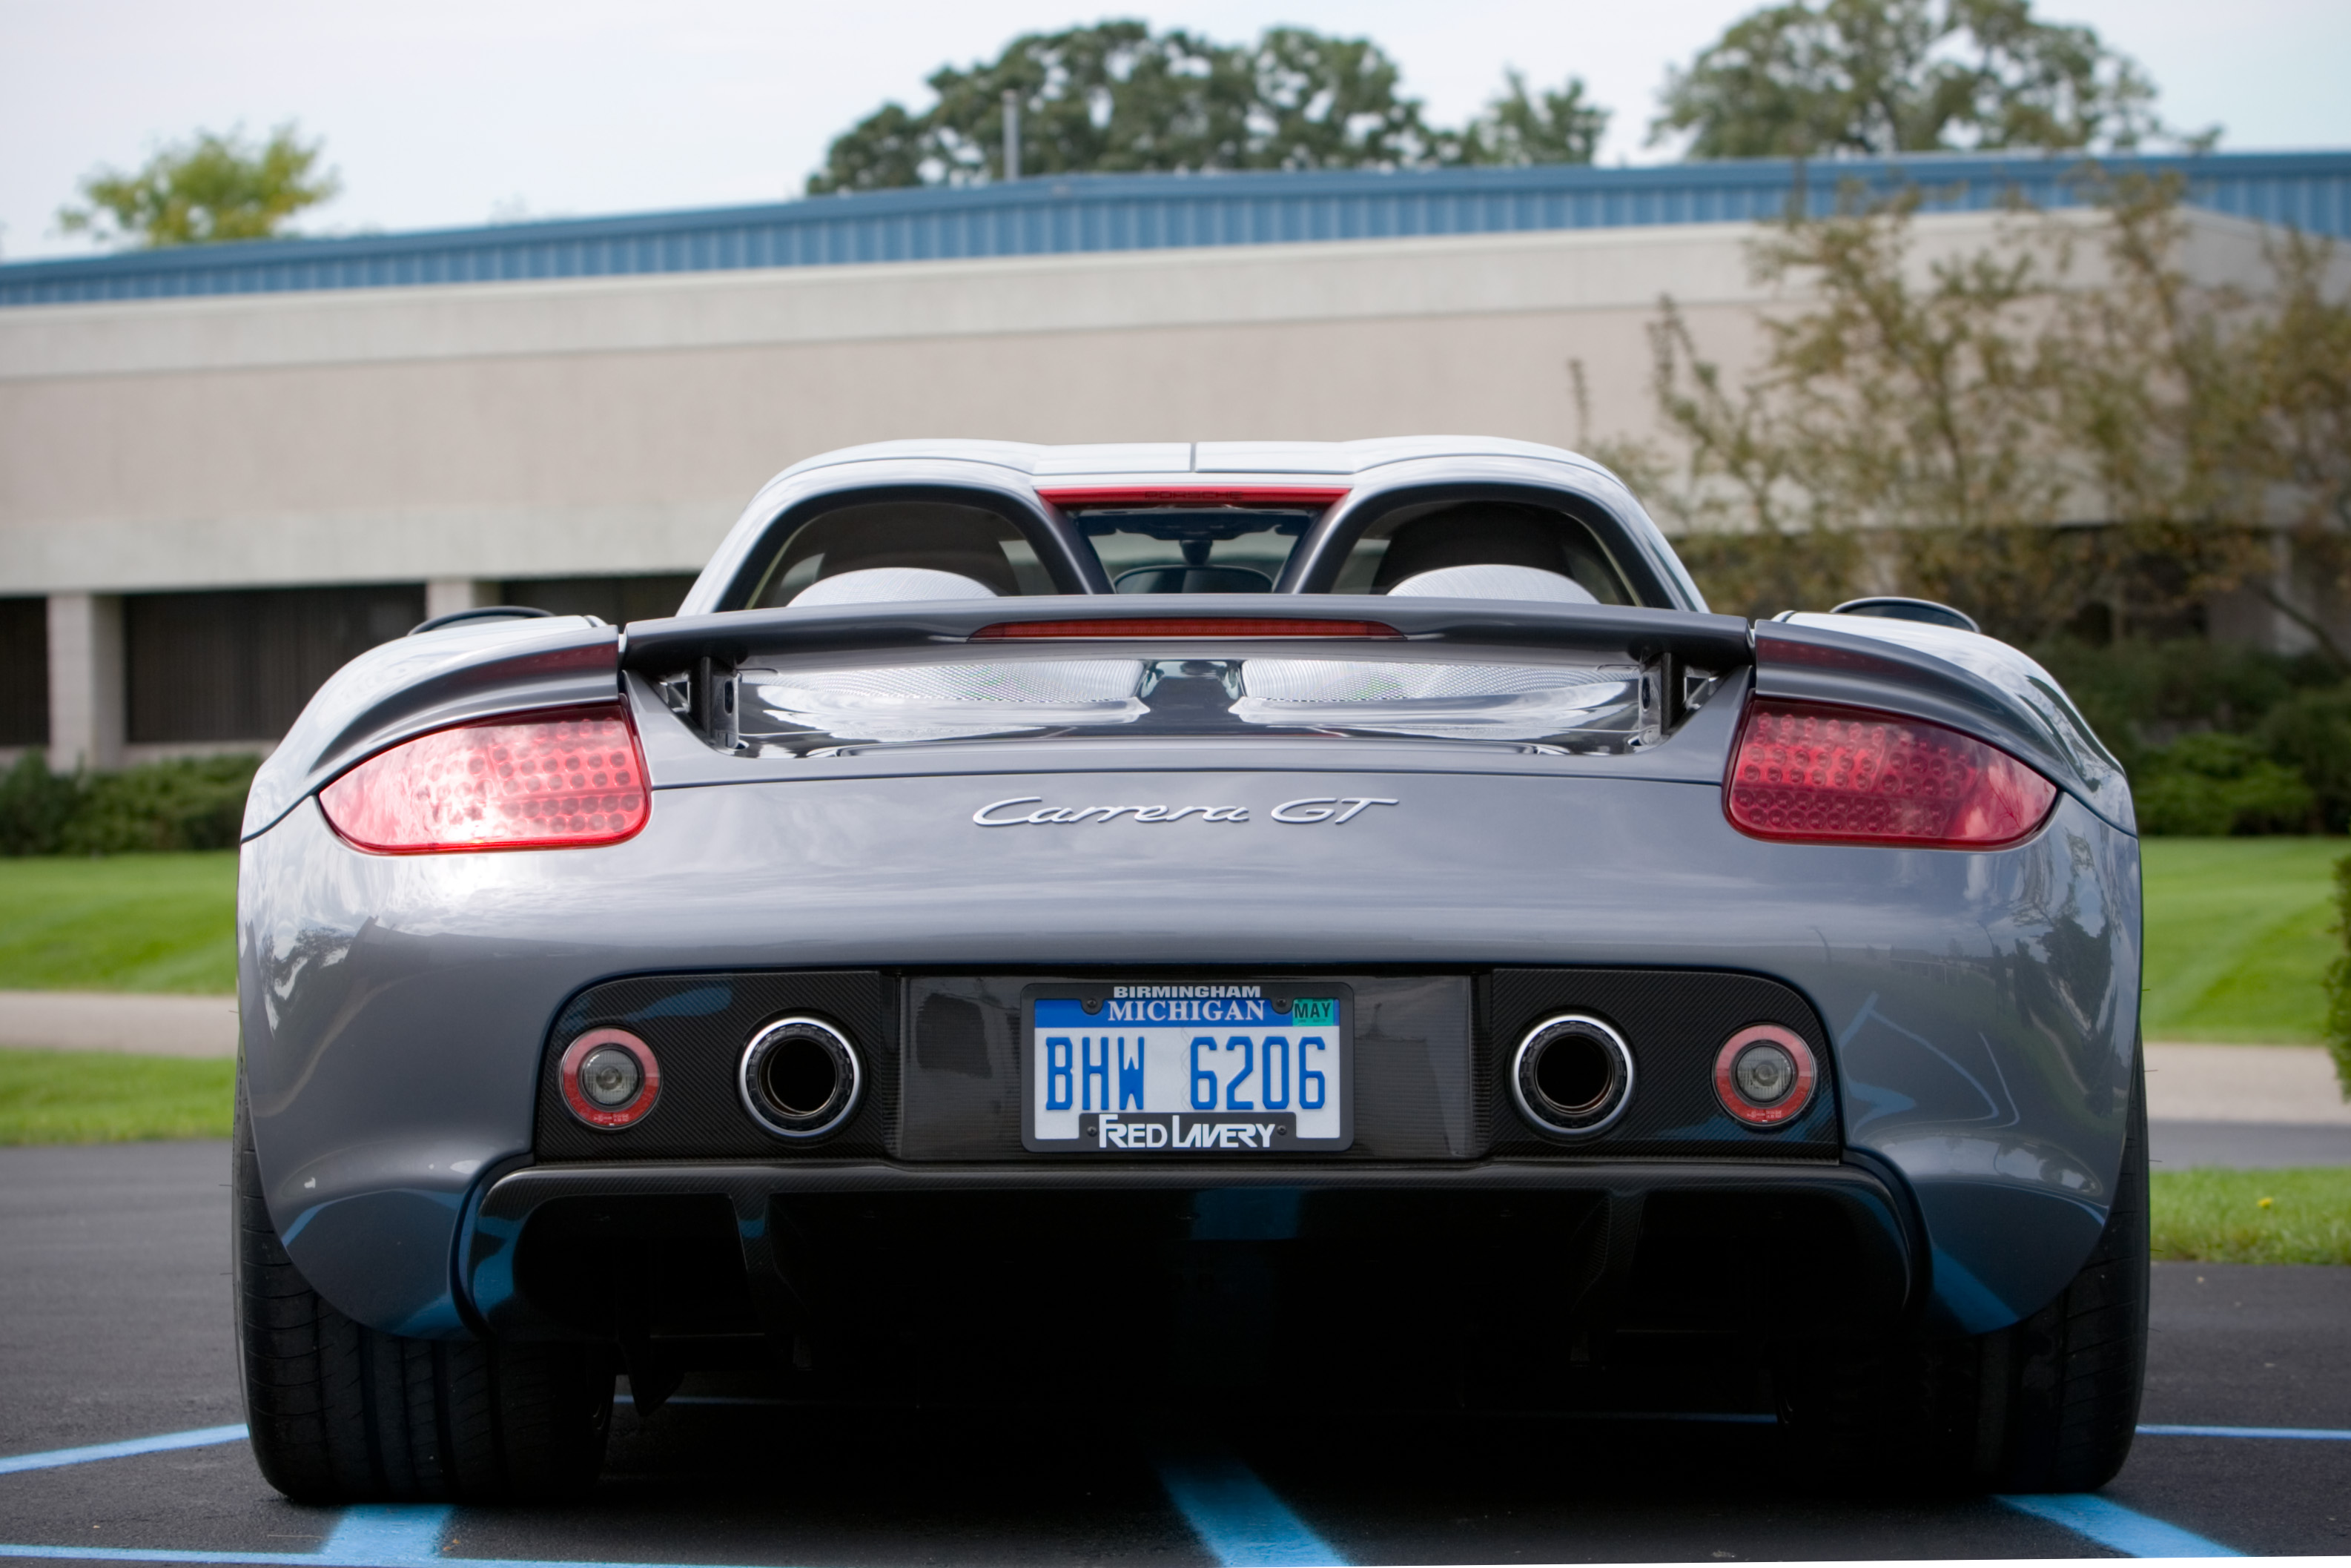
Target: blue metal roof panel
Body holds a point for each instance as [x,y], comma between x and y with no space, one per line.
[1153,212]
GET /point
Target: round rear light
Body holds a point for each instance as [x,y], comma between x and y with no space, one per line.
[611,1079]
[799,1078]
[1765,1076]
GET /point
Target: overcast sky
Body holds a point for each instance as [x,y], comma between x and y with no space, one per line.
[444,113]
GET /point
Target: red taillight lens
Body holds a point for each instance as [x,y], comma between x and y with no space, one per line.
[1074,496]
[1152,627]
[1818,774]
[547,781]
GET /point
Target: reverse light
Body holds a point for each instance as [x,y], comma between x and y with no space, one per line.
[609,1078]
[1814,773]
[564,779]
[1765,1076]
[1164,626]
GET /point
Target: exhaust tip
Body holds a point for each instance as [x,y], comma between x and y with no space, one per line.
[1573,1075]
[800,1078]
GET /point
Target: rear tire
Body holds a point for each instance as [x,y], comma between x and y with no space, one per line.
[2048,1405]
[342,1413]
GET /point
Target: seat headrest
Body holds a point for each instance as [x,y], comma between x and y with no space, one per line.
[891,585]
[1495,583]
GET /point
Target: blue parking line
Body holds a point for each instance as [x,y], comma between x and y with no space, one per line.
[1239,1520]
[387,1534]
[303,1559]
[2116,1528]
[202,1438]
[2312,1433]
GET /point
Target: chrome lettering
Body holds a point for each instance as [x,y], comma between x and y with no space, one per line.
[982,818]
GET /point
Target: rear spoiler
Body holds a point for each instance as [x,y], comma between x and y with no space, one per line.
[666,648]
[702,650]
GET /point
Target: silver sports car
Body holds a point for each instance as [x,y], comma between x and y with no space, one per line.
[1339,922]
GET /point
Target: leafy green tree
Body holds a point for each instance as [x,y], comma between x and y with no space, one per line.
[1861,77]
[1116,97]
[1329,103]
[1542,126]
[209,188]
[1933,428]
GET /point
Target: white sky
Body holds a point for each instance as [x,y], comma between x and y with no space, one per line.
[443,111]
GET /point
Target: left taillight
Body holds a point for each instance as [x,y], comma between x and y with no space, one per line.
[1811,773]
[566,779]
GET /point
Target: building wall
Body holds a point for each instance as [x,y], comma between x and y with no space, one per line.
[456,439]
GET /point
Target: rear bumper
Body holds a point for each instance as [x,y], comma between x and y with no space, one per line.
[828,1249]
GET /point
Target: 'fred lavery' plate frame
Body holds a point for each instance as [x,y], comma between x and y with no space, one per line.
[1170,1014]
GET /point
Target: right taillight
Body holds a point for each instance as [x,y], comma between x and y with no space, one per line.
[1811,773]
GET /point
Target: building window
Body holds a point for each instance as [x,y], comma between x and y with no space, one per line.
[619,600]
[24,654]
[240,665]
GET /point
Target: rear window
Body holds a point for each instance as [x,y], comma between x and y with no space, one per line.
[1429,537]
[934,535]
[1562,704]
[1214,549]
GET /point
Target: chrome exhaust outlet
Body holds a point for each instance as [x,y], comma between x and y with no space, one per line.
[1573,1075]
[799,1078]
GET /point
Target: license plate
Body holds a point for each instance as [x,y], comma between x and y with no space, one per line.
[1148,1067]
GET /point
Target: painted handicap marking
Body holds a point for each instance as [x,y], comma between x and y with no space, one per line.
[202,1438]
[2116,1528]
[1239,1520]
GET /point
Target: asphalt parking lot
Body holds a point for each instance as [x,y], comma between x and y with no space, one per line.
[114,1330]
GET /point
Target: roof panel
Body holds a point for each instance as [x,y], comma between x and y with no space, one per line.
[1146,212]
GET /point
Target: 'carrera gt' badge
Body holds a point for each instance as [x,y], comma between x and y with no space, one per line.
[1302,812]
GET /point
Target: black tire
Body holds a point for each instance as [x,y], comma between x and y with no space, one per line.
[2048,1406]
[342,1413]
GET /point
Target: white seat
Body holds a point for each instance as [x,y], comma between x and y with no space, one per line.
[1494,582]
[891,585]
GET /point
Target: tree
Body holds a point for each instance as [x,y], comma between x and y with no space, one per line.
[2012,429]
[1546,127]
[1115,98]
[210,188]
[1866,77]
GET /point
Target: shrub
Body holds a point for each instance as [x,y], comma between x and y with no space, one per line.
[34,805]
[2338,981]
[2213,784]
[2311,733]
[186,803]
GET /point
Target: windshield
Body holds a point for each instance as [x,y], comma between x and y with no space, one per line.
[1564,706]
[1219,550]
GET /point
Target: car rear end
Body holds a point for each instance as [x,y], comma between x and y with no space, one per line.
[1476,1008]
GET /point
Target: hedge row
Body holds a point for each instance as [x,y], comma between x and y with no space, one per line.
[188,803]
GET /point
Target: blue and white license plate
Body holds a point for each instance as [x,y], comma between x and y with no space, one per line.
[1172,1069]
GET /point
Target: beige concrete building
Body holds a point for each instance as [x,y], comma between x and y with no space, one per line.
[208,502]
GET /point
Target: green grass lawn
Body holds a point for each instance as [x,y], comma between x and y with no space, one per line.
[2253,1216]
[2238,935]
[98,1097]
[125,923]
[2238,931]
